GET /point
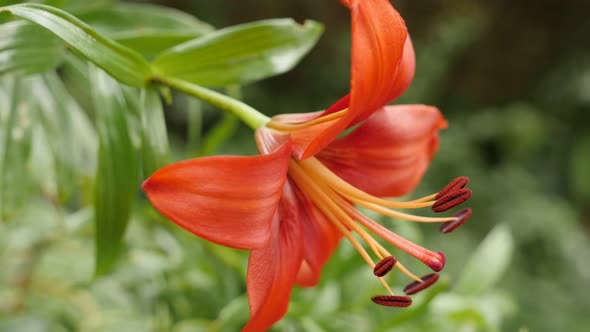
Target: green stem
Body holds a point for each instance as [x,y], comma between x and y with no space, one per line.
[251,117]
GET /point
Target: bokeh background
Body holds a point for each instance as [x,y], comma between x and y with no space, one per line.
[513,80]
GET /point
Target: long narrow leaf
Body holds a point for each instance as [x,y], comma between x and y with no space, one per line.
[70,136]
[122,63]
[16,122]
[148,29]
[240,54]
[76,6]
[74,72]
[488,263]
[26,48]
[154,138]
[194,109]
[126,17]
[117,173]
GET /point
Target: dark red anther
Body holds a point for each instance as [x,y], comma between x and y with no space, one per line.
[461,216]
[457,183]
[418,286]
[392,301]
[451,200]
[384,266]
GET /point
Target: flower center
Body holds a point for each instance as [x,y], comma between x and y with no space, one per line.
[335,198]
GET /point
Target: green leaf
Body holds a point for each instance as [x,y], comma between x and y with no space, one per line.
[154,138]
[117,173]
[78,6]
[149,29]
[488,264]
[240,54]
[194,110]
[122,63]
[75,74]
[16,123]
[26,48]
[70,136]
[126,17]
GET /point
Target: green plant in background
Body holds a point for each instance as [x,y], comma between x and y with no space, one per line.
[124,115]
[166,280]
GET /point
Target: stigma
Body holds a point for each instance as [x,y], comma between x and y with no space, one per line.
[338,200]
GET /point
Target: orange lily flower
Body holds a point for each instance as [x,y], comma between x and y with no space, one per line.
[291,214]
[292,204]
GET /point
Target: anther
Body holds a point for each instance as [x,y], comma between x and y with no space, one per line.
[384,266]
[457,183]
[417,286]
[461,216]
[451,200]
[392,300]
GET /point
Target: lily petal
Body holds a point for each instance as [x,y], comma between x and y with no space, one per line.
[309,141]
[319,235]
[382,67]
[228,200]
[389,153]
[272,269]
[379,38]
[321,239]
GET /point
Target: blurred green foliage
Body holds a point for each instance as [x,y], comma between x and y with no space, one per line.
[514,83]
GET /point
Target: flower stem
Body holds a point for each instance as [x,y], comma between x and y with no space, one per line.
[244,112]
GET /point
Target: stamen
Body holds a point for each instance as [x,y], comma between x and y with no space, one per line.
[461,218]
[457,183]
[332,199]
[397,264]
[384,266]
[318,194]
[289,127]
[341,207]
[401,215]
[330,195]
[386,286]
[382,252]
[434,260]
[346,232]
[312,165]
[451,200]
[407,272]
[417,286]
[392,301]
[423,199]
[328,208]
